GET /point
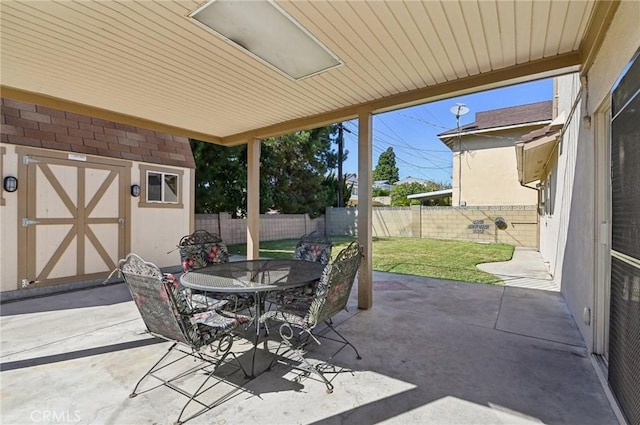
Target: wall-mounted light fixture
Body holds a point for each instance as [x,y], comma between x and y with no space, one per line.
[267,32]
[10,184]
[500,223]
[135,190]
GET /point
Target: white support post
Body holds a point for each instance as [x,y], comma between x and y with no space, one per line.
[253,199]
[365,193]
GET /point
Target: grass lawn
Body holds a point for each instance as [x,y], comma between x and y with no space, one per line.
[442,259]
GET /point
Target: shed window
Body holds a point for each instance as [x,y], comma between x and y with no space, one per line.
[162,187]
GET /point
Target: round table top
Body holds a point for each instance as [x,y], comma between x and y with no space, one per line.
[253,275]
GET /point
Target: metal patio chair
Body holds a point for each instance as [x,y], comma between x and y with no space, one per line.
[304,314]
[169,314]
[203,249]
[315,247]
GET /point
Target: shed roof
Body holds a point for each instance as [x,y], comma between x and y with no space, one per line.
[36,125]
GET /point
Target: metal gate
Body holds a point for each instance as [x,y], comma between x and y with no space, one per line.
[624,324]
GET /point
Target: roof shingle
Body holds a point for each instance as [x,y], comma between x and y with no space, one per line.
[514,115]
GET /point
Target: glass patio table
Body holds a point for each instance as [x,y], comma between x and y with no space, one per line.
[257,277]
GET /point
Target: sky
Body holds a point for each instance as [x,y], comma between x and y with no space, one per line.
[412,132]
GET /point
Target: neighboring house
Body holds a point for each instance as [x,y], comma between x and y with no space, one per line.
[90,191]
[410,179]
[383,185]
[431,196]
[484,166]
[379,184]
[376,200]
[425,196]
[352,180]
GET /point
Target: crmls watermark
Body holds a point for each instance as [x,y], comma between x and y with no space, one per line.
[55,416]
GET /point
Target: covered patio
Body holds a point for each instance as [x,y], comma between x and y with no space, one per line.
[175,67]
[433,352]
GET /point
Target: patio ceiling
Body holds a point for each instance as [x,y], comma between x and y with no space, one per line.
[147,64]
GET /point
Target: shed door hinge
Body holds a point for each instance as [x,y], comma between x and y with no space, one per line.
[26,160]
[26,222]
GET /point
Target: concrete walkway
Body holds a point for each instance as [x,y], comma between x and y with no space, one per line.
[434,352]
[525,270]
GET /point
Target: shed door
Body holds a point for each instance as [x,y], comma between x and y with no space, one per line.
[75,219]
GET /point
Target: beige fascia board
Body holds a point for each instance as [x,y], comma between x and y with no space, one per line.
[79,108]
[535,70]
[522,149]
[291,126]
[520,161]
[541,141]
[599,22]
[495,129]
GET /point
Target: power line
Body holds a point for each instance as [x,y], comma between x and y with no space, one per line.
[413,166]
[445,163]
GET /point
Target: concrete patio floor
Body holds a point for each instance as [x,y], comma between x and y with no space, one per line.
[434,352]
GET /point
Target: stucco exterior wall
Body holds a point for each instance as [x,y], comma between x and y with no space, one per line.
[8,223]
[156,230]
[558,189]
[486,172]
[567,234]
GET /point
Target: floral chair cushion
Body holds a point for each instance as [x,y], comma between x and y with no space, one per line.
[219,320]
[201,249]
[202,255]
[314,247]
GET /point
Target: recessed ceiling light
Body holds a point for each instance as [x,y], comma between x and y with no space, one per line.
[267,32]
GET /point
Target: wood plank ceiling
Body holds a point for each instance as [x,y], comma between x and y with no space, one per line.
[146,63]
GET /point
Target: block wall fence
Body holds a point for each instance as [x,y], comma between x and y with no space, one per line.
[457,223]
[272,226]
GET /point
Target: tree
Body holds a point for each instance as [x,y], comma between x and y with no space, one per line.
[378,191]
[292,174]
[386,168]
[221,178]
[330,186]
[400,192]
[293,170]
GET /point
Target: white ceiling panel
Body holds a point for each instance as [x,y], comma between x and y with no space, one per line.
[147,61]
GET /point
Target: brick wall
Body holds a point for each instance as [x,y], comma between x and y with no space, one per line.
[33,125]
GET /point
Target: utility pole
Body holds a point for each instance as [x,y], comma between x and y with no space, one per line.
[340,154]
[458,110]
